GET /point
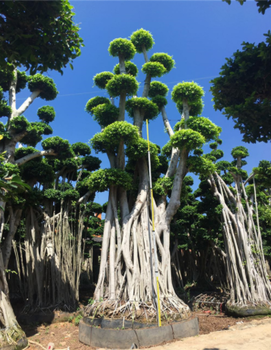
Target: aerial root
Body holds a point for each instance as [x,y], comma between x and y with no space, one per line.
[172,308]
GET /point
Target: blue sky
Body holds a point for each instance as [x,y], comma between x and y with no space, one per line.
[198,34]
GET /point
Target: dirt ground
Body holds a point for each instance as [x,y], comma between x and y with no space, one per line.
[65,334]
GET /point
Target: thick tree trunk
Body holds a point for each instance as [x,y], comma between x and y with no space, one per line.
[11,334]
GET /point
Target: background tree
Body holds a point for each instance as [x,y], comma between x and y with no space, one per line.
[38,35]
[250,288]
[50,251]
[263,5]
[243,90]
[37,26]
[126,278]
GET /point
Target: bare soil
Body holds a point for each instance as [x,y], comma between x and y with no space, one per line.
[65,334]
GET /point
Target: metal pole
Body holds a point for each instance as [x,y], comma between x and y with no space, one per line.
[153,230]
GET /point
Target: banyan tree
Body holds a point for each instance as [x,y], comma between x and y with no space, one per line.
[126,284]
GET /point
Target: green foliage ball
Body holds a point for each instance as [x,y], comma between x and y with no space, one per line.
[200,165]
[105,114]
[102,179]
[91,163]
[163,58]
[45,85]
[19,124]
[60,146]
[187,139]
[122,83]
[160,101]
[196,108]
[154,69]
[46,114]
[95,101]
[240,151]
[217,153]
[81,149]
[130,68]
[157,88]
[122,47]
[145,106]
[24,151]
[101,79]
[204,126]
[142,39]
[185,91]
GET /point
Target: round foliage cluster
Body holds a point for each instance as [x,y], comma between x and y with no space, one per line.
[130,68]
[19,124]
[60,146]
[7,75]
[111,136]
[95,101]
[102,179]
[217,153]
[45,85]
[154,69]
[39,171]
[195,108]
[101,79]
[167,148]
[105,114]
[138,150]
[160,101]
[213,145]
[35,131]
[223,165]
[5,110]
[91,163]
[81,149]
[122,83]
[46,114]
[201,165]
[68,164]
[142,39]
[198,152]
[52,194]
[122,47]
[163,185]
[157,88]
[190,92]
[236,171]
[9,169]
[70,195]
[145,106]
[204,126]
[240,151]
[187,139]
[163,58]
[25,151]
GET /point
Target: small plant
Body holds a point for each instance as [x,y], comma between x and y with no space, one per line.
[70,319]
[77,319]
[90,301]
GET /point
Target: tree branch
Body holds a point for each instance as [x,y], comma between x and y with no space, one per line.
[31,156]
[26,103]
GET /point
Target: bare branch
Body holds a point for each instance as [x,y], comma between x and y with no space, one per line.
[31,156]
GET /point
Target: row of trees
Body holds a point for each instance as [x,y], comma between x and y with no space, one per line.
[198,235]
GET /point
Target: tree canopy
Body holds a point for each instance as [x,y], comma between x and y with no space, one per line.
[243,90]
[39,35]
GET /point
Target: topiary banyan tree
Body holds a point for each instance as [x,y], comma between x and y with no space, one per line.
[250,288]
[126,284]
